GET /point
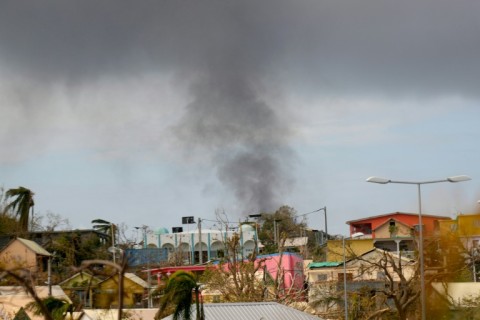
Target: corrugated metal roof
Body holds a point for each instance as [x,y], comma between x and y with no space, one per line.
[136,279]
[112,314]
[324,264]
[35,247]
[252,311]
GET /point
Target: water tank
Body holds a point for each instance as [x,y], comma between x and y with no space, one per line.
[161,231]
[247,228]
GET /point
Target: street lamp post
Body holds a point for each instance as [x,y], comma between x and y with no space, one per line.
[147,256]
[325,214]
[420,229]
[345,297]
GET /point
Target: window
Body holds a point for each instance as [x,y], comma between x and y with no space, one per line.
[416,228]
[137,299]
[475,243]
[82,297]
[321,277]
[349,276]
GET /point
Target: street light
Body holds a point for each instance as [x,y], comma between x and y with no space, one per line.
[326,228]
[345,296]
[420,229]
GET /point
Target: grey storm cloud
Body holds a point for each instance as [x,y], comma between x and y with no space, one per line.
[231,52]
[412,47]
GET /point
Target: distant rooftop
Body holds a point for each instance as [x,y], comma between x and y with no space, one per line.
[252,311]
[324,264]
[35,247]
[398,213]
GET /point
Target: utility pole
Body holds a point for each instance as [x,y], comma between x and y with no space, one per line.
[200,253]
[275,231]
[49,266]
[345,297]
[146,256]
[112,227]
[326,227]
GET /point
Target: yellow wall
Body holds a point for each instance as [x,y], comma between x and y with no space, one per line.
[106,294]
[464,225]
[468,225]
[81,283]
[352,247]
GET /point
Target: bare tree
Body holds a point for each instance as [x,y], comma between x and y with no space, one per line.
[236,277]
[400,276]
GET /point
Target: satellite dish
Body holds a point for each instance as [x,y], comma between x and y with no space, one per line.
[114,250]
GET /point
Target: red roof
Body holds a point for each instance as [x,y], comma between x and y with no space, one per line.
[177,268]
[391,215]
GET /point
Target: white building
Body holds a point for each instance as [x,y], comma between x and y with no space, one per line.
[187,244]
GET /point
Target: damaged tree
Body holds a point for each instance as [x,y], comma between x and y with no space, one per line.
[400,276]
[236,278]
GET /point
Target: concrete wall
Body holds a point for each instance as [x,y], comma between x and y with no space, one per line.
[16,254]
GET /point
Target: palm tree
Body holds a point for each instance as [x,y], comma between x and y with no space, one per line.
[178,295]
[57,308]
[105,227]
[21,205]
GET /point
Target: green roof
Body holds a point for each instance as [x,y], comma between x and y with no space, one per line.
[324,264]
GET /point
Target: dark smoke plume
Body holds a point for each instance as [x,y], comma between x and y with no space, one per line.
[245,138]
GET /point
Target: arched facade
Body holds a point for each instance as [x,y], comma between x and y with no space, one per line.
[213,243]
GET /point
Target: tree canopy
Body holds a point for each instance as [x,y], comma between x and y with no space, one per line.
[178,297]
[21,204]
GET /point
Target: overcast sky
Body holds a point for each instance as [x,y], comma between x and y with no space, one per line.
[141,112]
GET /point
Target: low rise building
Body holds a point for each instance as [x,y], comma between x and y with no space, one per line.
[25,254]
[395,231]
[135,292]
[211,242]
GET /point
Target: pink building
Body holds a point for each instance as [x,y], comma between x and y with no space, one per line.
[288,266]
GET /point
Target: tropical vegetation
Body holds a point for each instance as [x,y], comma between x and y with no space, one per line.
[21,205]
[57,308]
[181,291]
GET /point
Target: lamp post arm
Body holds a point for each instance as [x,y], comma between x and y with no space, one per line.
[419,182]
[326,226]
[420,252]
[345,297]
